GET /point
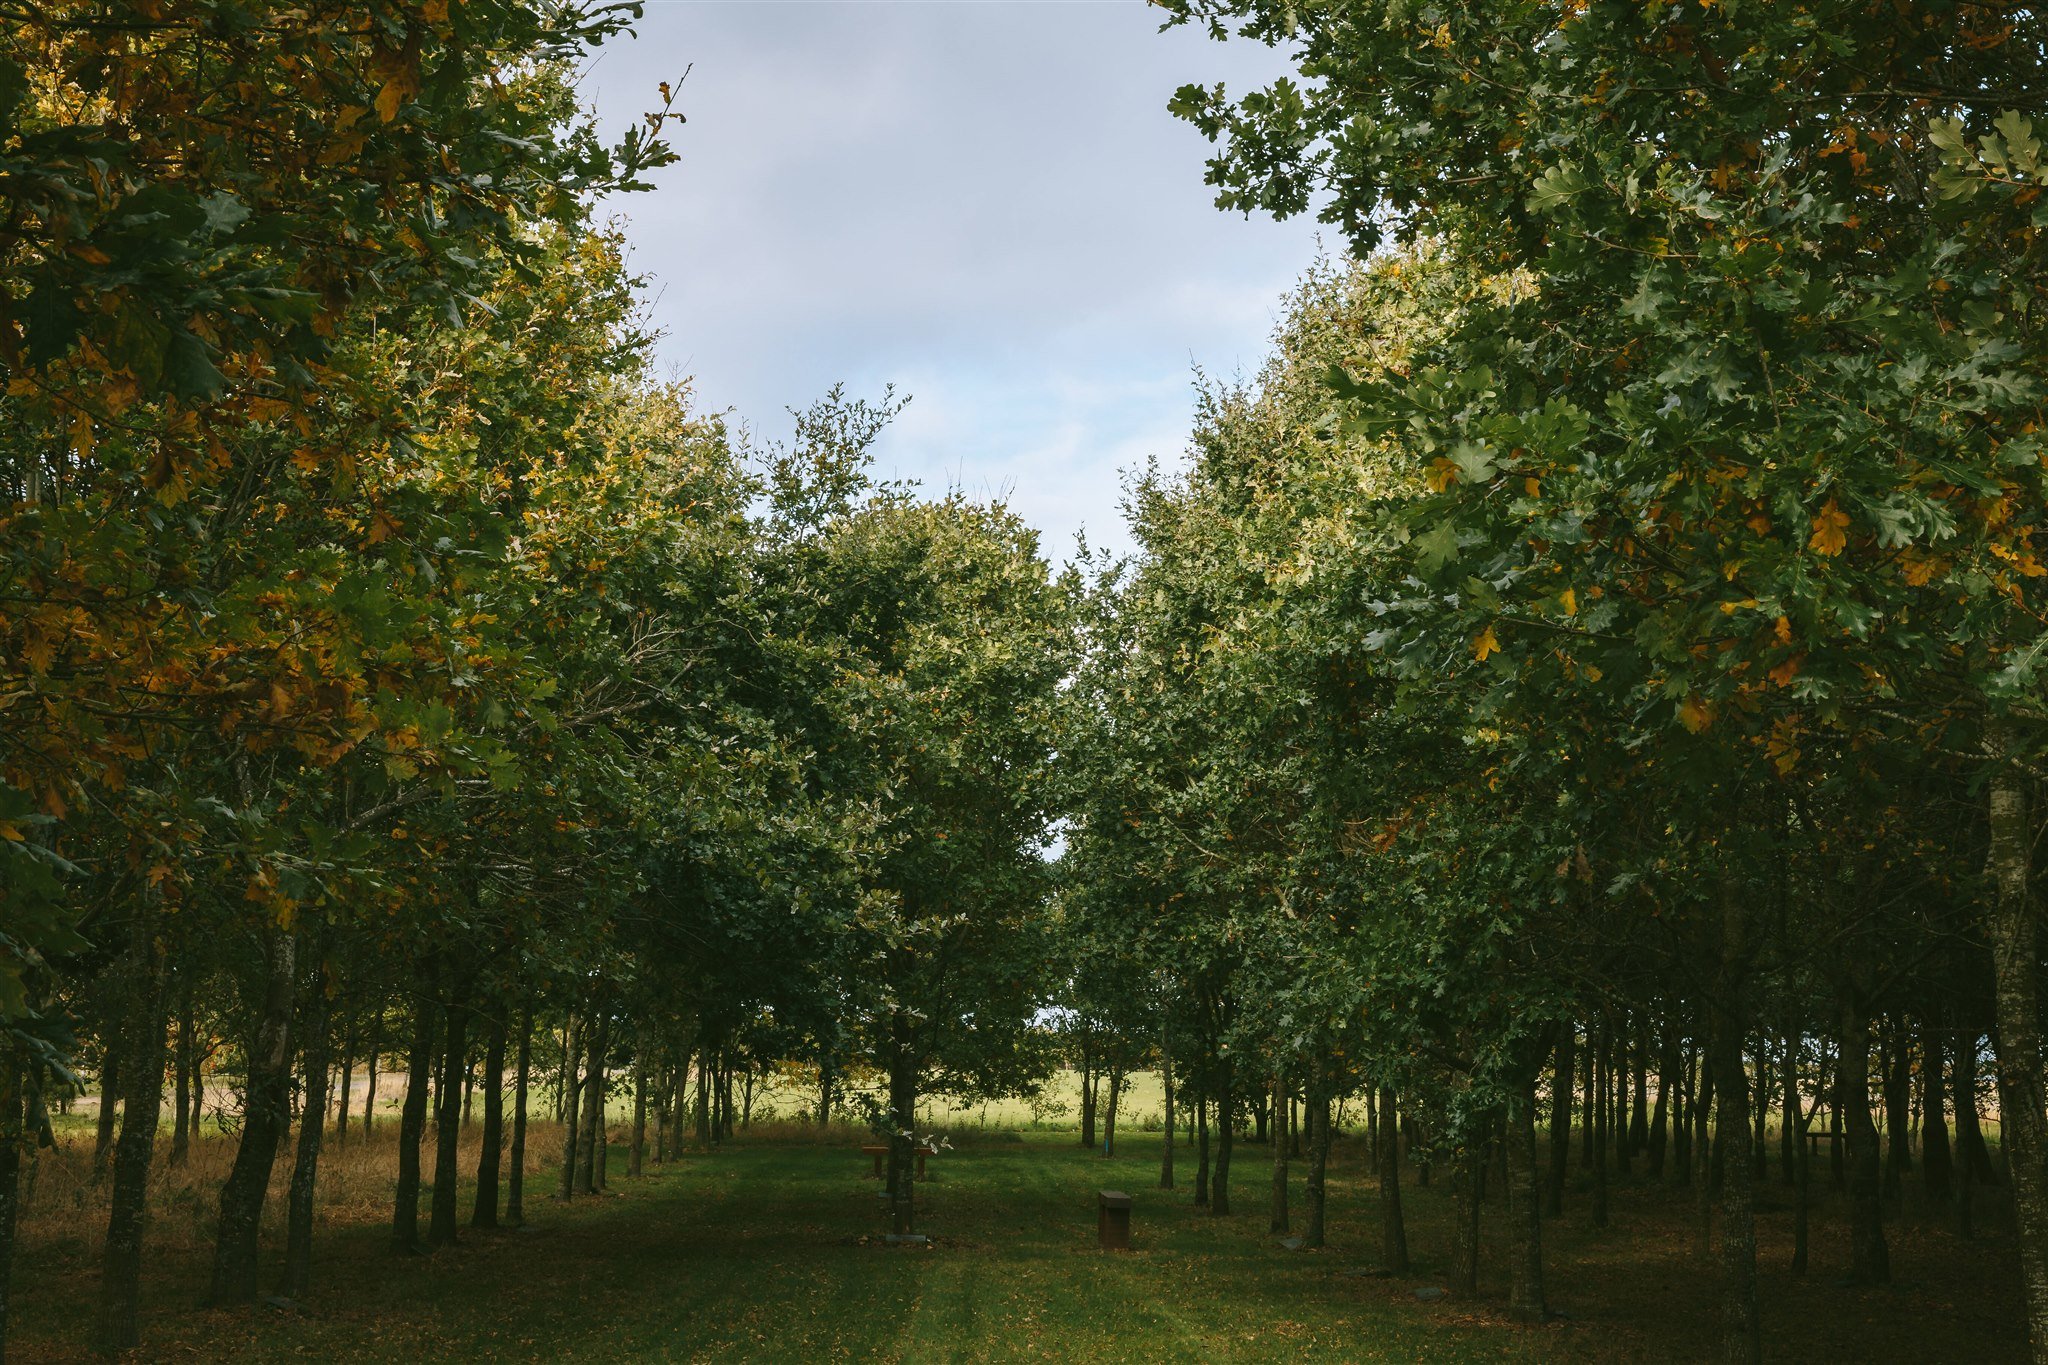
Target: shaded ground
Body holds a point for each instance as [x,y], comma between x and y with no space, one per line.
[755,1252]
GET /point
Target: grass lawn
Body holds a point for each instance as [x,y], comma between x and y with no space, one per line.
[765,1250]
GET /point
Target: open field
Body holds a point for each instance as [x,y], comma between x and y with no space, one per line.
[764,1250]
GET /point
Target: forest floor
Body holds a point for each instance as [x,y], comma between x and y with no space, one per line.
[768,1250]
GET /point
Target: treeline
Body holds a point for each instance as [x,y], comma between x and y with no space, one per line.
[393,666]
[1592,674]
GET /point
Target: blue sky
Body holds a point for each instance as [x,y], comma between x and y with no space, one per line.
[983,203]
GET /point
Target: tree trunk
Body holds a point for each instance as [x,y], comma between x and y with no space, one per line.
[2016,962]
[1317,1111]
[1741,1328]
[902,1124]
[1660,1116]
[1526,1300]
[588,1154]
[181,1070]
[515,1184]
[1201,1151]
[1602,1058]
[1277,1223]
[1561,1119]
[1789,1137]
[1869,1259]
[1116,1094]
[571,1084]
[142,1045]
[1465,1257]
[298,1238]
[485,1212]
[110,1103]
[1393,1228]
[1166,1090]
[1226,1133]
[703,1094]
[1971,1153]
[345,1074]
[1617,1069]
[1937,1167]
[1639,1119]
[265,1115]
[639,1148]
[412,1116]
[442,1216]
[1087,1098]
[1898,1100]
[370,1075]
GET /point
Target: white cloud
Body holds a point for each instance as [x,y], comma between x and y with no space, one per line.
[986,204]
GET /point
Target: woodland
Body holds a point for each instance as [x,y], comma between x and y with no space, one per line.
[1534,849]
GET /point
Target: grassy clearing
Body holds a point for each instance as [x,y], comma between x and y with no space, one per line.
[756,1252]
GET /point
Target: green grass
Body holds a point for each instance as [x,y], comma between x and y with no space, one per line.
[769,1250]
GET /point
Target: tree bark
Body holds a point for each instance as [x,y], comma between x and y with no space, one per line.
[1166,1089]
[1526,1300]
[1317,1111]
[298,1243]
[345,1074]
[2013,932]
[1561,1119]
[442,1215]
[570,1082]
[1226,1133]
[639,1148]
[589,1153]
[1201,1151]
[515,1182]
[1741,1327]
[265,1115]
[1277,1222]
[181,1071]
[142,1043]
[412,1116]
[485,1212]
[902,1123]
[1869,1258]
[1898,1100]
[1465,1258]
[1393,1228]
[1937,1167]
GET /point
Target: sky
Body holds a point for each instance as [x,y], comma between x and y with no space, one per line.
[984,204]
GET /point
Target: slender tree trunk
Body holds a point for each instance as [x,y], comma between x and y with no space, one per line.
[484,1214]
[1166,1090]
[181,1071]
[442,1216]
[1393,1228]
[1937,1167]
[1317,1111]
[902,1124]
[2013,931]
[412,1116]
[571,1084]
[1869,1259]
[1561,1119]
[1465,1179]
[1683,1122]
[345,1075]
[265,1116]
[298,1242]
[1617,1069]
[1741,1327]
[1971,1153]
[1639,1119]
[1201,1151]
[1527,1302]
[1602,1060]
[1660,1115]
[1226,1133]
[633,1159]
[515,1184]
[1898,1099]
[588,1155]
[1087,1097]
[1278,1221]
[370,1059]
[1789,1137]
[142,1043]
[1116,1094]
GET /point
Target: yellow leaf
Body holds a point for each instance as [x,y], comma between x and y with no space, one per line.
[1569,600]
[1830,527]
[1695,715]
[393,96]
[82,439]
[1785,672]
[1485,645]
